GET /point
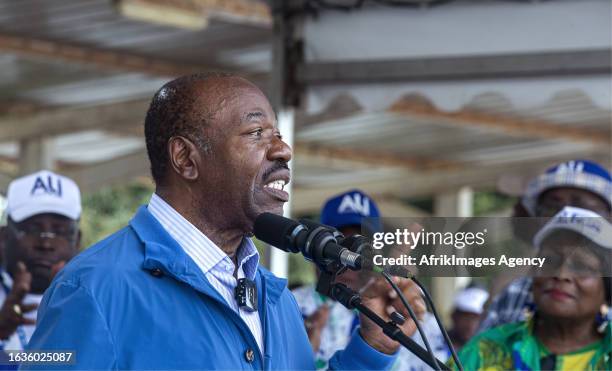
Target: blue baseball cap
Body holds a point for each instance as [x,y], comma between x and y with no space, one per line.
[351,208]
[581,174]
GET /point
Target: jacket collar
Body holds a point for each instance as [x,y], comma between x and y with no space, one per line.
[162,252]
[273,285]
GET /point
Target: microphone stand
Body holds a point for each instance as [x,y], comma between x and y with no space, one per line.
[351,300]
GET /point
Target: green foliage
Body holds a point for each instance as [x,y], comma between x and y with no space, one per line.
[300,271]
[486,202]
[110,209]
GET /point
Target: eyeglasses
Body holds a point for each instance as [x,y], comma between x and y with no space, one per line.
[574,263]
[34,231]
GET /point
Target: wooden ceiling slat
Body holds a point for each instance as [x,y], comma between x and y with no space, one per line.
[48,11]
[106,59]
[510,125]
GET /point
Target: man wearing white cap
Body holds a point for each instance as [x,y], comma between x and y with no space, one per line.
[42,234]
[468,307]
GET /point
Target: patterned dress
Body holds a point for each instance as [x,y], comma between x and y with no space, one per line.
[514,347]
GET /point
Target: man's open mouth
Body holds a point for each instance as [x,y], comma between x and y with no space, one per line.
[276,188]
[276,184]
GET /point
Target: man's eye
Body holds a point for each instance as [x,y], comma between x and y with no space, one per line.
[257,133]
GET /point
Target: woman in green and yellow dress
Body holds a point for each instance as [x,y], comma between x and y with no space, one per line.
[570,326]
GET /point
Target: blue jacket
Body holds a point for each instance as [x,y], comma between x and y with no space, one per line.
[136,301]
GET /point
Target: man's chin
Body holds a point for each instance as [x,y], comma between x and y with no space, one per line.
[277,211]
[271,210]
[271,207]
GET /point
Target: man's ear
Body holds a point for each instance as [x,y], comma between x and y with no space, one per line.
[184,157]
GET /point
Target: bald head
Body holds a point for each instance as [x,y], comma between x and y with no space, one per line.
[184,107]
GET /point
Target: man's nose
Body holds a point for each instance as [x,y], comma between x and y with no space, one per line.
[45,243]
[279,150]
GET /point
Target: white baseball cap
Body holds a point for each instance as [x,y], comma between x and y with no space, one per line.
[43,192]
[471,300]
[585,222]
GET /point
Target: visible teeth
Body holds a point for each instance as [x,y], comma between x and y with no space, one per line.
[277,184]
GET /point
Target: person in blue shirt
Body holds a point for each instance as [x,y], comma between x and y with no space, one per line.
[159,293]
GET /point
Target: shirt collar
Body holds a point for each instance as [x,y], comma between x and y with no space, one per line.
[205,253]
[248,258]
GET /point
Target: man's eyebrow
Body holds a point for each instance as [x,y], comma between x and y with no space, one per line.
[254,115]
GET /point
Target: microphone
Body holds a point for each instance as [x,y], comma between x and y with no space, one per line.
[361,245]
[323,244]
[318,243]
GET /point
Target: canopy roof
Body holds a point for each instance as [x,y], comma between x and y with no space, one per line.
[475,93]
[400,102]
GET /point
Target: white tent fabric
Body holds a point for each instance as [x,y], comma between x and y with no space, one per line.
[463,28]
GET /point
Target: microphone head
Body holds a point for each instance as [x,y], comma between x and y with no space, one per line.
[276,231]
[312,225]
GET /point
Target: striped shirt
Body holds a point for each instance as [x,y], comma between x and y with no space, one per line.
[216,265]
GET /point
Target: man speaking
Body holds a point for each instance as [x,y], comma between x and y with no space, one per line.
[160,293]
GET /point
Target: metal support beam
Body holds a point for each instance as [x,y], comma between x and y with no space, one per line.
[276,260]
[499,66]
[286,55]
[36,154]
[65,120]
[458,203]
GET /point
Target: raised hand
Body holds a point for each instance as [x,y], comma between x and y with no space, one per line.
[11,313]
